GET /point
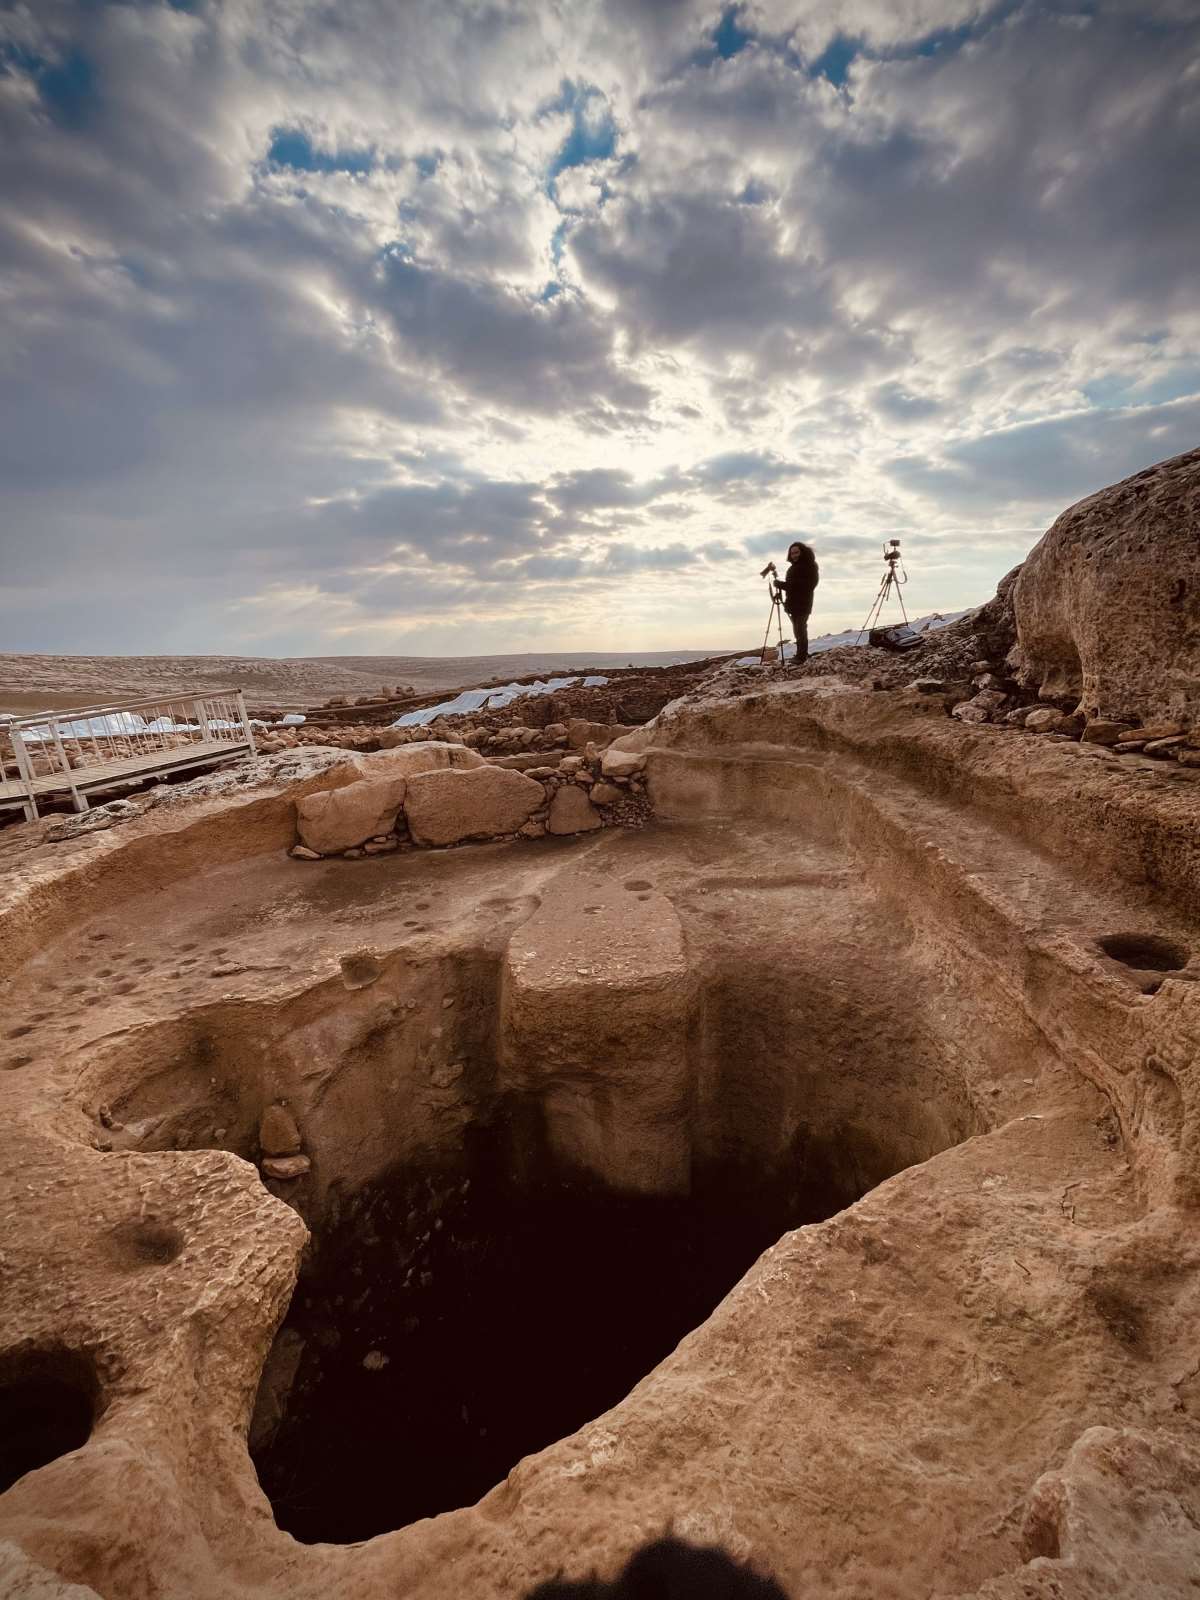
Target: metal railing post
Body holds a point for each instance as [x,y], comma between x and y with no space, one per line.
[201,713]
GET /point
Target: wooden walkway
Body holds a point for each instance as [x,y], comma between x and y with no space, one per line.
[122,772]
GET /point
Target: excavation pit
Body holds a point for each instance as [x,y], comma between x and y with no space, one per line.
[48,1405]
[1147,952]
[453,1317]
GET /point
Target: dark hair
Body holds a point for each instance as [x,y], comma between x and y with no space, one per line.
[668,1569]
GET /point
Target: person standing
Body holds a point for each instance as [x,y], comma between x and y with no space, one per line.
[799,586]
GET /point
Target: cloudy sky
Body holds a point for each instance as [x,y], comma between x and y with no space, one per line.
[445,326]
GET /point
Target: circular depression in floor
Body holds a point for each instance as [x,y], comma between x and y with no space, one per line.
[453,1318]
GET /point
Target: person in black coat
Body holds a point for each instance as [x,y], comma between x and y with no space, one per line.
[799,586]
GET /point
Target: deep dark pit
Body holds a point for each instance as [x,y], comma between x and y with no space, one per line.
[1148,952]
[48,1405]
[455,1319]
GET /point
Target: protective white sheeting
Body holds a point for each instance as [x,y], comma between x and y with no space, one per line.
[121,724]
[489,699]
[113,723]
[292,720]
[835,641]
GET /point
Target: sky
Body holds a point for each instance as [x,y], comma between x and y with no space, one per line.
[466,326]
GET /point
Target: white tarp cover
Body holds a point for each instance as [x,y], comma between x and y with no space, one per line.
[489,699]
[115,723]
[119,725]
[835,641]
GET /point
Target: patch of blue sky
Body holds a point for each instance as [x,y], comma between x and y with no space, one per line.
[755,193]
[1115,393]
[593,134]
[836,59]
[943,42]
[14,59]
[292,147]
[729,37]
[68,87]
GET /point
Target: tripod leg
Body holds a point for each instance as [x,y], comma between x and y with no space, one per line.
[762,661]
[874,613]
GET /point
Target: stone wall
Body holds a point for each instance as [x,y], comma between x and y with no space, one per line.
[431,795]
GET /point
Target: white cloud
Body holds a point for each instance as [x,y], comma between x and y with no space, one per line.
[465,326]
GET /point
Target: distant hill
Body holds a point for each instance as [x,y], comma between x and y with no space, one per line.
[32,682]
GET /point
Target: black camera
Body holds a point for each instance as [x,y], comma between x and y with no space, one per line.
[770,567]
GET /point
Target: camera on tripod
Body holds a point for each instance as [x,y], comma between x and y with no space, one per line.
[901,635]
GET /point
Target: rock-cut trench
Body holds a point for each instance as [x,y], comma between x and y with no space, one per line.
[452,1319]
[547,1135]
[623,1144]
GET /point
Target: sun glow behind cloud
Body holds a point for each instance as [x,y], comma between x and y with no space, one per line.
[492,328]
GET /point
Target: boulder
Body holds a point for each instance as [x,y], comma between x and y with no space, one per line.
[606,794]
[427,755]
[622,763]
[580,732]
[278,1134]
[285,1168]
[1045,719]
[572,812]
[1163,747]
[333,820]
[1101,731]
[469,803]
[1108,603]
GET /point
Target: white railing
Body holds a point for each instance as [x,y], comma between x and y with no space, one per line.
[69,751]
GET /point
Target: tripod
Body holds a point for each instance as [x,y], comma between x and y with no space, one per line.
[775,615]
[891,581]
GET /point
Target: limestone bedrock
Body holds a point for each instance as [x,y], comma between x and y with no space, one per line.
[947,971]
[598,997]
[1108,602]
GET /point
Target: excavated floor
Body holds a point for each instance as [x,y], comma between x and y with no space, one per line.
[484,1277]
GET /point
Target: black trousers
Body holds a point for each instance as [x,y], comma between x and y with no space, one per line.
[800,629]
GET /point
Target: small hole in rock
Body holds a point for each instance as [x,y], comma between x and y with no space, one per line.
[146,1244]
[1148,952]
[48,1406]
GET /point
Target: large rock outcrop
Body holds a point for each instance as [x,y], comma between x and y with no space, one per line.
[1108,603]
